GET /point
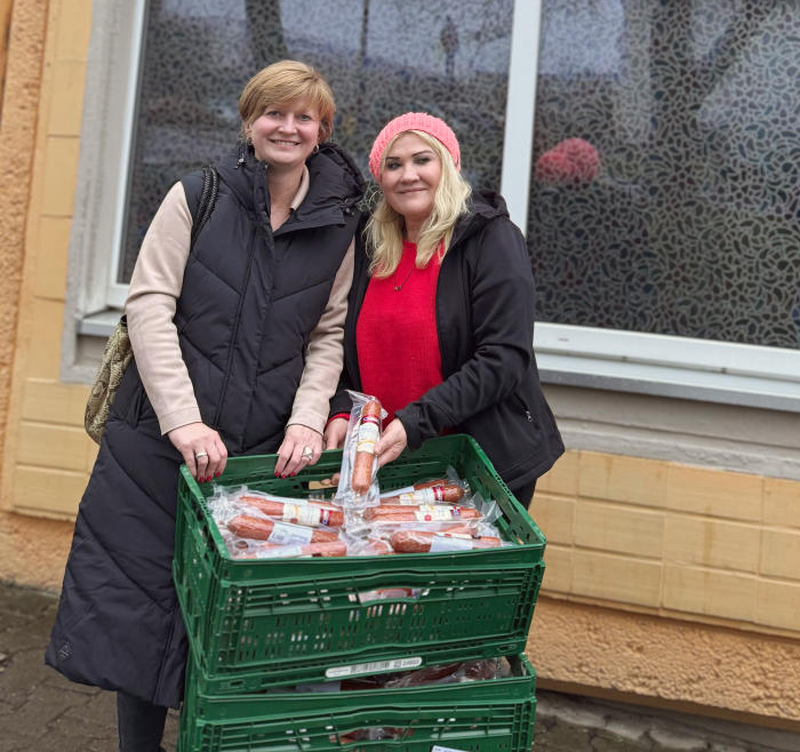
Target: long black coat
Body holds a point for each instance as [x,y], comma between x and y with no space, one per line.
[484,321]
[249,302]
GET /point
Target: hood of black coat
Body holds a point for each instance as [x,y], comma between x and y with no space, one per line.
[335,185]
[484,206]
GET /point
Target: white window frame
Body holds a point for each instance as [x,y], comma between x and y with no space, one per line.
[118,292]
[707,370]
[93,300]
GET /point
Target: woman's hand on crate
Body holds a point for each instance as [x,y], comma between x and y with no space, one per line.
[202,449]
[301,447]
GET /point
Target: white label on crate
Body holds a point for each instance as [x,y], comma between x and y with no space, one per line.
[450,542]
[439,748]
[375,667]
[284,534]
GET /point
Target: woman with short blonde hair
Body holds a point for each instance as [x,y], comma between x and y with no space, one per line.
[282,83]
[236,336]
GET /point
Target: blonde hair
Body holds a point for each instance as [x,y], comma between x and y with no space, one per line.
[284,83]
[384,230]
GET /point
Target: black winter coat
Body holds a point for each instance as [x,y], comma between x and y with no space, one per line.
[484,320]
[249,301]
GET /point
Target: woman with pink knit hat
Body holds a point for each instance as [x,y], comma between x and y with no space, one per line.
[441,311]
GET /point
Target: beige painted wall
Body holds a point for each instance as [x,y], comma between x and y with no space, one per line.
[666,584]
[39,144]
[660,662]
[671,585]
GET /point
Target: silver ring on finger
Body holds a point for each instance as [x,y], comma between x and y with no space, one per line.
[200,454]
[308,453]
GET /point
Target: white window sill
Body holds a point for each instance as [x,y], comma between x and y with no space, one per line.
[709,371]
[99,324]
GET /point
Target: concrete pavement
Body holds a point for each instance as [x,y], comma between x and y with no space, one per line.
[41,711]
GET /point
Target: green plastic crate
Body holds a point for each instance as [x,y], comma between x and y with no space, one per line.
[481,716]
[255,624]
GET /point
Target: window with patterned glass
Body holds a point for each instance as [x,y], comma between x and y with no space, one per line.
[381,58]
[665,184]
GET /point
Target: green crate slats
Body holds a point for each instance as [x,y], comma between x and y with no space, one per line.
[481,716]
[254,623]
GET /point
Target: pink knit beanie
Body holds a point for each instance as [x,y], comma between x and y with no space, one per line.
[413,121]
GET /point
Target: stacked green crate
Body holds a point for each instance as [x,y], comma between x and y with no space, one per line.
[256,625]
[481,716]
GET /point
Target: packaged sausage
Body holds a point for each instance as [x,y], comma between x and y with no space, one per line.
[447,492]
[274,531]
[268,551]
[432,494]
[255,524]
[358,485]
[419,513]
[299,511]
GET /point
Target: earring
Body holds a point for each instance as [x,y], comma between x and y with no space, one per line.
[315,150]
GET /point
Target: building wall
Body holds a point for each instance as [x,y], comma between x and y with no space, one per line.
[671,582]
[46,455]
[666,583]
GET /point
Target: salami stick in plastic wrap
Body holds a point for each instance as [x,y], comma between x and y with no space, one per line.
[421,541]
[247,526]
[421,513]
[358,479]
[369,547]
[323,548]
[415,487]
[437,492]
[299,512]
[369,431]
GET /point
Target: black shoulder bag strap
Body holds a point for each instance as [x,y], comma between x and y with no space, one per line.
[208,197]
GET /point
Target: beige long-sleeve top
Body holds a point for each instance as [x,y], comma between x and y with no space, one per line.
[154,290]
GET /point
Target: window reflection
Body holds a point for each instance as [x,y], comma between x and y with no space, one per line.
[690,226]
[381,58]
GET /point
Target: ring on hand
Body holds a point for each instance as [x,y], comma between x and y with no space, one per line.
[200,454]
[308,453]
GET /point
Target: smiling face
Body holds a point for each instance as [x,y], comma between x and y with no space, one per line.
[284,136]
[409,178]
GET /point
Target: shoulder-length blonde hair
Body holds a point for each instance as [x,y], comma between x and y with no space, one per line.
[384,230]
[284,83]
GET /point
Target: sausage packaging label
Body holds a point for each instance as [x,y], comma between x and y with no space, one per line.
[290,535]
[422,496]
[368,435]
[440,748]
[451,542]
[436,512]
[304,514]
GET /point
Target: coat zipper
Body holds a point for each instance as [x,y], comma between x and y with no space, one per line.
[524,407]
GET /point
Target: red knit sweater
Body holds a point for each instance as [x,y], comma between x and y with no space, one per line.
[396,337]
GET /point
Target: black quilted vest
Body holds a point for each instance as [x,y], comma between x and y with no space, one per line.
[251,297]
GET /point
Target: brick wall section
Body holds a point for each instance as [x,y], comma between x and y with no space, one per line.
[671,539]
